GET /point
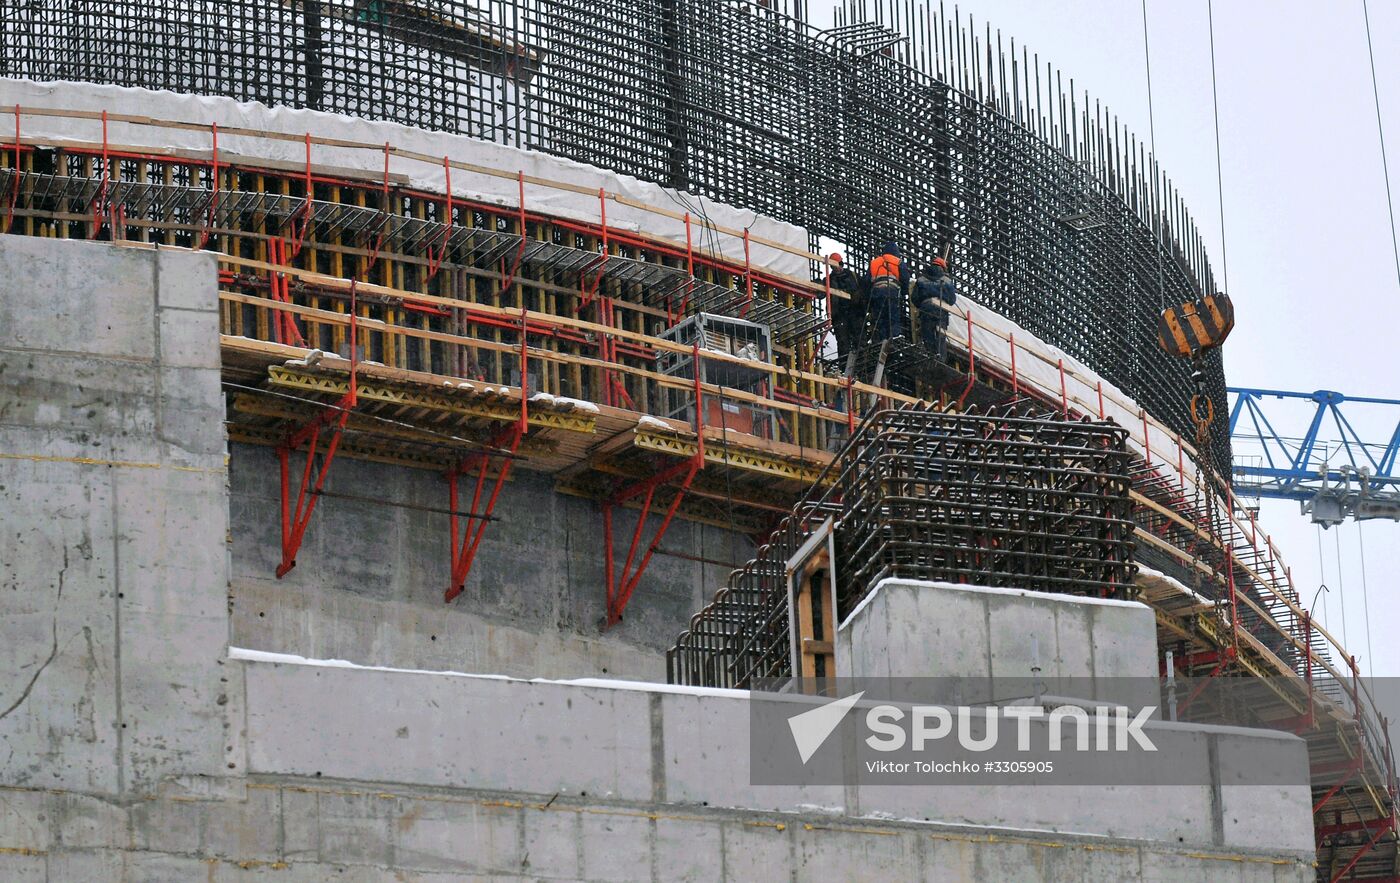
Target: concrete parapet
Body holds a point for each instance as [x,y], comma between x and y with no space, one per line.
[113,518]
[685,746]
[978,635]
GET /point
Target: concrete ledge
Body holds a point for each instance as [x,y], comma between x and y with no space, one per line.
[661,745]
[303,830]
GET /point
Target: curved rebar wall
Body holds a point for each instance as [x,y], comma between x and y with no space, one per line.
[899,123]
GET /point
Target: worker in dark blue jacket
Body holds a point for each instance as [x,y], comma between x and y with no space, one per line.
[934,293]
[887,281]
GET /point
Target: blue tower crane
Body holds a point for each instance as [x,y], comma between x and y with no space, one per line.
[1334,479]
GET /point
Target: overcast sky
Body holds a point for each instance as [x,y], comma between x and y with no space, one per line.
[1311,270]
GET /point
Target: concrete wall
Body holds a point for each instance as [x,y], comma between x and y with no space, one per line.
[312,830]
[1085,647]
[669,746]
[113,520]
[369,579]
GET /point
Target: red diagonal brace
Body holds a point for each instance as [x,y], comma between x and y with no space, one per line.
[464,553]
[307,211]
[1332,792]
[436,255]
[619,587]
[284,324]
[295,520]
[1370,844]
[619,590]
[1226,656]
[507,442]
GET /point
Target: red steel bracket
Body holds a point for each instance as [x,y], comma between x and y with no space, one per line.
[505,442]
[1370,844]
[214,193]
[464,553]
[1226,656]
[620,586]
[295,520]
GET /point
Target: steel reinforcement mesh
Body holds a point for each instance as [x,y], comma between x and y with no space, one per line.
[989,499]
[901,122]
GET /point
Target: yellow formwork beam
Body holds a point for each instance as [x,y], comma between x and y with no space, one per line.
[370,389]
[749,459]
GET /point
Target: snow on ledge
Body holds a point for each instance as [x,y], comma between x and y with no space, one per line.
[268,657]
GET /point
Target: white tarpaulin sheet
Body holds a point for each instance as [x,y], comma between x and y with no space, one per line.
[201,111]
[1038,365]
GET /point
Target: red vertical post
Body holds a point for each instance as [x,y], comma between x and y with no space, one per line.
[524,370]
[1146,439]
[1230,574]
[1355,691]
[1101,410]
[699,409]
[829,314]
[1064,390]
[850,408]
[14,190]
[101,204]
[1015,382]
[748,277]
[1181,464]
[971,362]
[214,192]
[689,269]
[1307,664]
[1389,762]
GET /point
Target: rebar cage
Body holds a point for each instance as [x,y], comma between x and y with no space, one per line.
[990,499]
[1055,215]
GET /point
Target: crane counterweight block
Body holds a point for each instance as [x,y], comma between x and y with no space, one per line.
[1190,329]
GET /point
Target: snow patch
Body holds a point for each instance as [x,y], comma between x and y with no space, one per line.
[265,656]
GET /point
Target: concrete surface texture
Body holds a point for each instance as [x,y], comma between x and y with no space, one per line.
[369,579]
[113,519]
[133,747]
[673,746]
[990,639]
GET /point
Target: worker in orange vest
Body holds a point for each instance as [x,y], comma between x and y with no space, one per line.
[887,282]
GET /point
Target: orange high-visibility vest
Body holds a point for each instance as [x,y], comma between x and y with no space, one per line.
[884,272]
[884,265]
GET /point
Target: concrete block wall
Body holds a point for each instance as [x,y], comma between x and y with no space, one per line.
[113,519]
[317,829]
[984,639]
[369,579]
[656,745]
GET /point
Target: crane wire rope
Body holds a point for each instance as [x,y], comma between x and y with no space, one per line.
[1152,134]
[1365,601]
[1219,180]
[1341,586]
[1380,130]
[1322,579]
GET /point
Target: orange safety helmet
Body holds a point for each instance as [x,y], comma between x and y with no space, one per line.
[939,262]
[835,257]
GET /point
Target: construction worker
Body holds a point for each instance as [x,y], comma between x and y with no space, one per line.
[934,292]
[887,282]
[847,315]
